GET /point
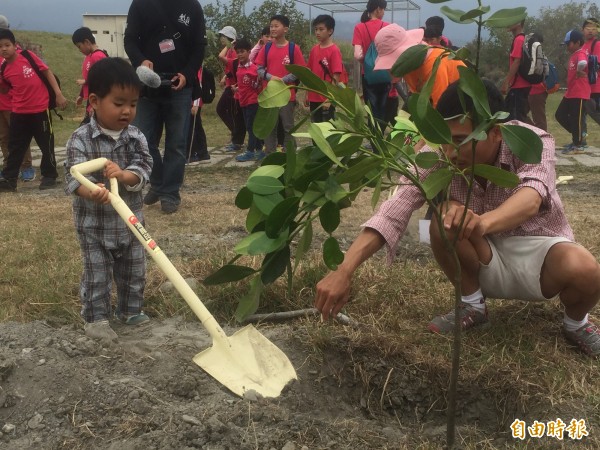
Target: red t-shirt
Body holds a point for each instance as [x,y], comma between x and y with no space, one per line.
[248,84]
[330,57]
[231,56]
[5,99]
[517,53]
[277,59]
[29,94]
[587,48]
[577,87]
[365,32]
[88,62]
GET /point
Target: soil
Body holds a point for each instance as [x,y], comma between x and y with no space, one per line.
[59,389]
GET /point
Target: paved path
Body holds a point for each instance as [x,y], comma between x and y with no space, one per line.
[219,157]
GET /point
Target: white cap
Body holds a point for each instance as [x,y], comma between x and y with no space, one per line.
[4,22]
[229,32]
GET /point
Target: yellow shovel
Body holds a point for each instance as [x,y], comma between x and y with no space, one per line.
[246,361]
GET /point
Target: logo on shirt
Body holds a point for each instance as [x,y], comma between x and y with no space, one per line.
[184,20]
[286,60]
[325,62]
[246,80]
[27,72]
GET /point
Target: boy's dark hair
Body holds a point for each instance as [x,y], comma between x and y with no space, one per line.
[81,34]
[109,72]
[326,20]
[432,31]
[372,5]
[5,33]
[435,21]
[591,21]
[266,31]
[449,104]
[280,18]
[242,44]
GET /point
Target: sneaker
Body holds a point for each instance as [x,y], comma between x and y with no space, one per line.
[151,198]
[574,150]
[587,338]
[168,207]
[8,185]
[470,317]
[100,331]
[133,319]
[231,147]
[260,155]
[246,156]
[28,174]
[48,183]
[197,159]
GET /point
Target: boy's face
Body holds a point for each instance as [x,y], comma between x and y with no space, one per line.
[243,55]
[265,38]
[278,30]
[434,41]
[84,47]
[590,31]
[573,46]
[117,110]
[486,151]
[7,49]
[322,33]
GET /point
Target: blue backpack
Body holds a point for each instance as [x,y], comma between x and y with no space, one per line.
[374,76]
[593,66]
[551,80]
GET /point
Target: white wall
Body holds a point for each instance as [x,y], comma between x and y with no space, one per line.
[109,30]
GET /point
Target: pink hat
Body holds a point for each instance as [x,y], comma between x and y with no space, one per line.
[392,41]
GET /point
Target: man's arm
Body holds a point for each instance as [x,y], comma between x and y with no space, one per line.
[333,291]
[132,37]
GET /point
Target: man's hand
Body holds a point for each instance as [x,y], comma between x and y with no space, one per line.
[333,292]
[178,82]
[472,226]
[194,110]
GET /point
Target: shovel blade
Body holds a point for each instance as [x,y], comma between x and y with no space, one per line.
[247,361]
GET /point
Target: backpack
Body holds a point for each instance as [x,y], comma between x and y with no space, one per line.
[51,94]
[533,67]
[374,76]
[593,64]
[208,86]
[551,80]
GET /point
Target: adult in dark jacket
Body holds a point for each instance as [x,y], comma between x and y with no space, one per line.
[169,37]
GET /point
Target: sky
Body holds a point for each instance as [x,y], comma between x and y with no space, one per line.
[65,16]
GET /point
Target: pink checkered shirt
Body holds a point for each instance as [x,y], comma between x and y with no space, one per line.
[392,217]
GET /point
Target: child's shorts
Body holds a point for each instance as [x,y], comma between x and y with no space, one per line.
[516,265]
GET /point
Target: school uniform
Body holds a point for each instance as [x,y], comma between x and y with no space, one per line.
[324,62]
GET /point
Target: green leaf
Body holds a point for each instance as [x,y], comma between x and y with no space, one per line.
[273,171]
[462,53]
[427,160]
[259,243]
[304,243]
[329,215]
[281,216]
[436,182]
[359,113]
[506,17]
[473,86]
[497,176]
[264,185]
[275,95]
[455,15]
[274,159]
[477,12]
[249,303]
[376,194]
[243,199]
[332,255]
[317,135]
[254,217]
[523,142]
[432,127]
[333,190]
[319,172]
[347,145]
[274,265]
[227,274]
[308,78]
[359,170]
[290,166]
[410,60]
[265,121]
[266,203]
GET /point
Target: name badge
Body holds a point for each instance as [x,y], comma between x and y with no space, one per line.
[166,46]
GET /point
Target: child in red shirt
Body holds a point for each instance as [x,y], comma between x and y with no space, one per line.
[325,61]
[85,41]
[247,88]
[271,62]
[30,117]
[571,111]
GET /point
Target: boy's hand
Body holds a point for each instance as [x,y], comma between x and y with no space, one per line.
[80,82]
[79,100]
[99,195]
[112,170]
[194,110]
[61,101]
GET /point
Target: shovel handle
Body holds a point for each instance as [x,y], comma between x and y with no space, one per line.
[79,171]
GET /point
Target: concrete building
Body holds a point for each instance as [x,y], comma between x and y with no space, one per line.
[109,30]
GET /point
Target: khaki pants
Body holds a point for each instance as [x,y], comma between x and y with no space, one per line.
[4,133]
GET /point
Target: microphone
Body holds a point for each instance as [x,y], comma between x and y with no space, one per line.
[148,77]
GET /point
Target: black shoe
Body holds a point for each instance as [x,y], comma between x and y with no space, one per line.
[151,198]
[8,185]
[168,207]
[48,183]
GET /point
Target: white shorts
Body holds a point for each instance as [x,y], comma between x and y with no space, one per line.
[516,266]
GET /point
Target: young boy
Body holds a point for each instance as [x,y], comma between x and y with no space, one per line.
[325,61]
[197,147]
[247,88]
[265,37]
[571,110]
[30,117]
[271,62]
[85,41]
[109,249]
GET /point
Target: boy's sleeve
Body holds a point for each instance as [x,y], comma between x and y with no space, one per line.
[517,50]
[298,56]
[336,61]
[76,154]
[41,64]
